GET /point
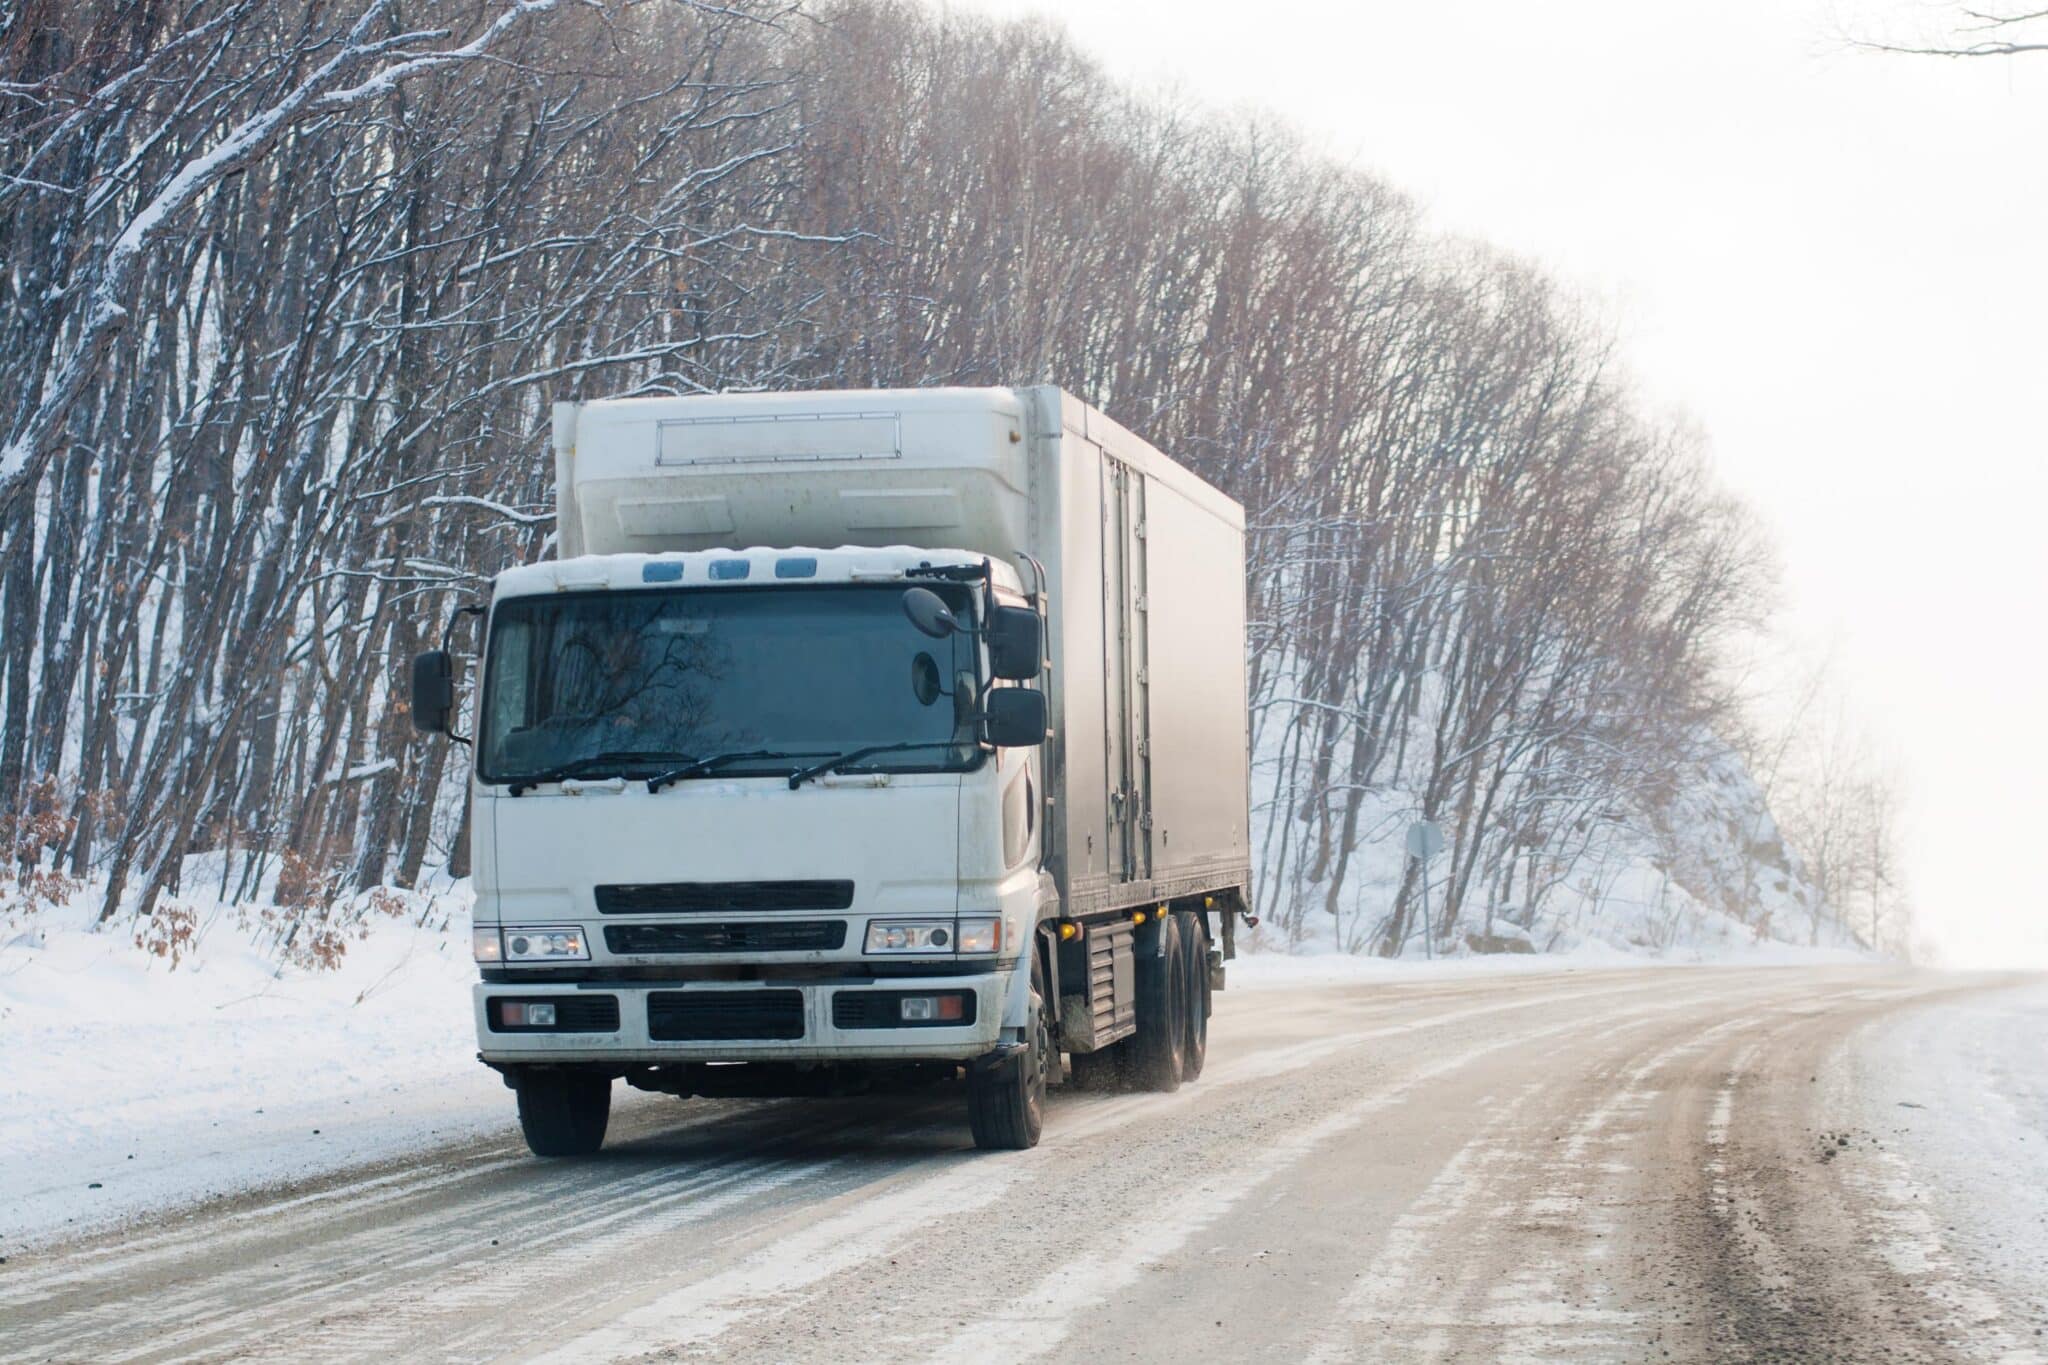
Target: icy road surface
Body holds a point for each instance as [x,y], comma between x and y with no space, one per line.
[1699,1163]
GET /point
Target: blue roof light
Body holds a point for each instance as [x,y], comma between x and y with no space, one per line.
[796,566]
[729,570]
[661,573]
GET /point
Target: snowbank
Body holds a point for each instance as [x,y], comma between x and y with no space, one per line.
[1957,1098]
[128,1084]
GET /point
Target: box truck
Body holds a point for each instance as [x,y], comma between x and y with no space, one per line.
[856,741]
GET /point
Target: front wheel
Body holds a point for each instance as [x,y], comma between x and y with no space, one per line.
[1006,1101]
[564,1113]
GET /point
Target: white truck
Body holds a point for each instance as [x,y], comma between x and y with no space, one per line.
[856,740]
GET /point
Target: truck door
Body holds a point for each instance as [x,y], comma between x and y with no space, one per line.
[1127,763]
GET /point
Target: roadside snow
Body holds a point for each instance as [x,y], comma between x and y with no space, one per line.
[1959,1093]
[126,1085]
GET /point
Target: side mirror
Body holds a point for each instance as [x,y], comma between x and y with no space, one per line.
[929,613]
[433,692]
[1014,717]
[1016,644]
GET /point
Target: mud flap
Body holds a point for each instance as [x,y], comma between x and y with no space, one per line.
[1017,998]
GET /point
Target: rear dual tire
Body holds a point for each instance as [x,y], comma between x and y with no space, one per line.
[1172,1042]
[1158,1058]
[1195,954]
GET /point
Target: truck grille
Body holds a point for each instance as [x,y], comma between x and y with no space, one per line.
[759,936]
[696,898]
[573,1014]
[724,1016]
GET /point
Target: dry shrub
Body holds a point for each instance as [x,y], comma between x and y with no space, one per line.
[37,831]
[306,882]
[314,921]
[170,931]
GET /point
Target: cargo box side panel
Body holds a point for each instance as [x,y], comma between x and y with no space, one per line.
[1196,693]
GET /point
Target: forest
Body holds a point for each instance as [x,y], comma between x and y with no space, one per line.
[289,287]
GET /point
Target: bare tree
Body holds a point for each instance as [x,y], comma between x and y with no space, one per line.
[291,287]
[1975,33]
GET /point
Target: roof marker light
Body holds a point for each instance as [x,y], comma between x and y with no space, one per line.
[796,566]
[729,570]
[661,572]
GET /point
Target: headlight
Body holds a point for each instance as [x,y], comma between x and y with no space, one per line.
[983,934]
[921,936]
[485,945]
[544,943]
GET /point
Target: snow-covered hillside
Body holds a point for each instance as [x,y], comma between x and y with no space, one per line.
[1699,872]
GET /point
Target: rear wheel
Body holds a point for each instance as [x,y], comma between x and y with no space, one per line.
[1159,1056]
[1194,949]
[564,1113]
[1006,1101]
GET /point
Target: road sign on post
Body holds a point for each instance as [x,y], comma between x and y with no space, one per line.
[1425,842]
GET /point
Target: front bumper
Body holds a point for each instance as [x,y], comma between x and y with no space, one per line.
[822,1039]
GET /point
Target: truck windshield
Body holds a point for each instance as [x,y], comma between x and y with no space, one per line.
[639,682]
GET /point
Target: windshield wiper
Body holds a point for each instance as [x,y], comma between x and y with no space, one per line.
[696,766]
[591,765]
[803,775]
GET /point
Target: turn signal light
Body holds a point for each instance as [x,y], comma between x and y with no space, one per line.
[1069,931]
[983,934]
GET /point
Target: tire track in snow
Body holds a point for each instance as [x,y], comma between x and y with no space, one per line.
[1497,1189]
[1044,1316]
[699,1312]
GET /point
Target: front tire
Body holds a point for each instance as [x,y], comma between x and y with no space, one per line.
[1006,1101]
[564,1113]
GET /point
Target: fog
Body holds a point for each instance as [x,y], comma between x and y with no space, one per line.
[1829,257]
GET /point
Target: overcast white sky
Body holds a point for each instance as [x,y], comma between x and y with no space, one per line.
[1837,261]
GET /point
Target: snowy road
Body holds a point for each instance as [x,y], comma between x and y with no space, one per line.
[1704,1163]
